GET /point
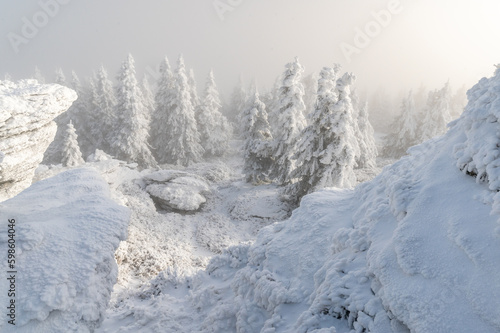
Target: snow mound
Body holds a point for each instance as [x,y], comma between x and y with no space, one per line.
[66,231]
[27,110]
[414,250]
[178,190]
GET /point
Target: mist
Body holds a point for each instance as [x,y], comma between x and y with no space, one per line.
[419,42]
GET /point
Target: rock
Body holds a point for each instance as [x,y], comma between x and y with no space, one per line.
[27,110]
[178,190]
[67,230]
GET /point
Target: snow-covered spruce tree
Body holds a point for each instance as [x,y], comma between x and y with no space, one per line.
[104,118]
[458,102]
[149,99]
[53,154]
[237,105]
[324,155]
[37,75]
[367,147]
[437,113]
[71,155]
[129,141]
[160,135]
[310,83]
[404,130]
[290,121]
[258,142]
[60,78]
[211,123]
[272,106]
[183,140]
[193,91]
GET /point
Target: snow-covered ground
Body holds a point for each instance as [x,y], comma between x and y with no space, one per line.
[414,250]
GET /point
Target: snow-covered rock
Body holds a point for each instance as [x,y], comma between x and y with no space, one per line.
[27,110]
[179,190]
[66,232]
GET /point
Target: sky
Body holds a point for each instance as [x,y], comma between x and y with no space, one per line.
[390,44]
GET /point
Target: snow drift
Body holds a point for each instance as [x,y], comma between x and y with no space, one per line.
[67,230]
[415,250]
[27,110]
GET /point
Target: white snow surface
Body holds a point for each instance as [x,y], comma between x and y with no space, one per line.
[414,250]
[66,232]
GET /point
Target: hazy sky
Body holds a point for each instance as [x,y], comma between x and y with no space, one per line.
[422,41]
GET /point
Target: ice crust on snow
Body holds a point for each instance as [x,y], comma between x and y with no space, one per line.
[27,110]
[414,250]
[67,231]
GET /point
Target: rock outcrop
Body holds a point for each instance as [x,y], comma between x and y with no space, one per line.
[65,232]
[27,110]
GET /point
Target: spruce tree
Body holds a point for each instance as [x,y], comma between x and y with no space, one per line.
[60,78]
[129,141]
[290,121]
[37,75]
[258,142]
[162,115]
[195,100]
[211,123]
[183,139]
[324,155]
[437,113]
[149,99]
[237,106]
[368,148]
[404,130]
[71,155]
[104,118]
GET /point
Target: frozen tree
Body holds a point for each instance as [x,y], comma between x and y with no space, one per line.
[212,125]
[367,147]
[237,104]
[258,141]
[53,154]
[7,77]
[310,83]
[290,121]
[183,140]
[59,77]
[129,141]
[324,155]
[104,119]
[404,130]
[160,133]
[71,155]
[193,91]
[437,113]
[38,76]
[149,99]
[272,106]
[458,102]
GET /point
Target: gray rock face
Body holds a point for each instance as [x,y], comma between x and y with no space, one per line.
[27,110]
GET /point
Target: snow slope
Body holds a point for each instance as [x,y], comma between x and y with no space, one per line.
[416,249]
[66,232]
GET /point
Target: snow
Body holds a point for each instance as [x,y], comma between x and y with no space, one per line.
[414,250]
[67,230]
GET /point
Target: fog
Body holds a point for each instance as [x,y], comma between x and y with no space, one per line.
[392,44]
